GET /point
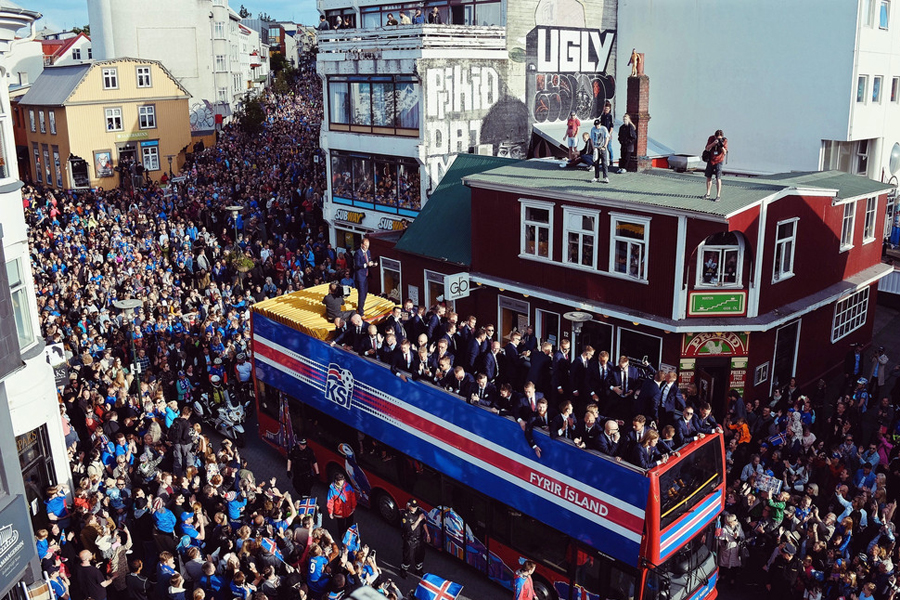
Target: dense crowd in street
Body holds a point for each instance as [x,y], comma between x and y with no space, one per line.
[159,511]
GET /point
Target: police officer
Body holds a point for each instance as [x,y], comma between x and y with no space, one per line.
[413,530]
[302,467]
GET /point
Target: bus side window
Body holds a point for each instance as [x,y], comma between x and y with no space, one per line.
[501,523]
[599,575]
[538,541]
[268,400]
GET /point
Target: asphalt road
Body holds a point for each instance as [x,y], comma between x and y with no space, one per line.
[266,463]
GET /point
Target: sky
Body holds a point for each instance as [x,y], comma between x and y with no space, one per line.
[65,14]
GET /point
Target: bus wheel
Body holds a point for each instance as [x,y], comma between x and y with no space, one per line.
[543,590]
[387,508]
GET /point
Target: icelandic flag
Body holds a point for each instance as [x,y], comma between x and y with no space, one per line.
[433,587]
[778,440]
[351,539]
[306,506]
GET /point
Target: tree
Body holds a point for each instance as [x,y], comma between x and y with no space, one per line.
[244,13]
[86,30]
[264,16]
[277,62]
[251,116]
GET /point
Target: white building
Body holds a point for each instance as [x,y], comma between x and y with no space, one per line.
[30,392]
[199,41]
[806,85]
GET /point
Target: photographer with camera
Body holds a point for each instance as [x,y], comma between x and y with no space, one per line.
[334,303]
[714,155]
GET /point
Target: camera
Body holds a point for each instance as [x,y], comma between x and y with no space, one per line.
[720,143]
[345,290]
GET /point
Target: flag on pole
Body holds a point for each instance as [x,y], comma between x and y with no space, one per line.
[351,539]
[306,506]
[433,587]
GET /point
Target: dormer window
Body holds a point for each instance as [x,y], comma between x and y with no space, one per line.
[720,259]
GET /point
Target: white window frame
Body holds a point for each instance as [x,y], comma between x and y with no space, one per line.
[850,313]
[42,119]
[150,154]
[862,95]
[895,89]
[848,223]
[31,120]
[434,277]
[780,273]
[19,293]
[884,6]
[868,8]
[525,224]
[76,53]
[147,116]
[236,82]
[877,88]
[614,219]
[51,117]
[221,63]
[110,78]
[870,220]
[223,95]
[579,213]
[219,30]
[720,248]
[114,112]
[144,77]
[391,265]
[90,52]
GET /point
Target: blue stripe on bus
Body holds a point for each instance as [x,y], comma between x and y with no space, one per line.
[680,532]
[707,589]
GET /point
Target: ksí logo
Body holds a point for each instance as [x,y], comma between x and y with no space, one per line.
[339,386]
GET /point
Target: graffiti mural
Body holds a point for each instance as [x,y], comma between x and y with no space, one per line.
[567,71]
[203,117]
[459,98]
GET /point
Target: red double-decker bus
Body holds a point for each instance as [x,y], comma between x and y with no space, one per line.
[596,528]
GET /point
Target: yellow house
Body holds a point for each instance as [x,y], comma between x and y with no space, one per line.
[84,122]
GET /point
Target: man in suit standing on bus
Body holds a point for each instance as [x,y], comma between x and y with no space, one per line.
[362,260]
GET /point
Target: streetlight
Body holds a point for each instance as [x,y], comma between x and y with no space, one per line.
[170,157]
[577,318]
[127,308]
[235,211]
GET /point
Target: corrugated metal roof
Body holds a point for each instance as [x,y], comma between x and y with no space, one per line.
[659,188]
[443,230]
[54,85]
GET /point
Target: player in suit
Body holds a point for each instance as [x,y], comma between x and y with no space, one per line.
[394,323]
[540,420]
[648,396]
[483,393]
[362,260]
[369,344]
[389,347]
[670,398]
[491,360]
[404,360]
[458,382]
[527,406]
[645,453]
[560,367]
[580,376]
[473,350]
[622,383]
[563,424]
[608,442]
[687,428]
[539,370]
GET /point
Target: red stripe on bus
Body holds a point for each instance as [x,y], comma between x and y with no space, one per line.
[506,464]
[288,361]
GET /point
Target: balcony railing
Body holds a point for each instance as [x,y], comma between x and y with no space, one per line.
[411,37]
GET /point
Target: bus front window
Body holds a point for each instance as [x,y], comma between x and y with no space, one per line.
[684,484]
[686,571]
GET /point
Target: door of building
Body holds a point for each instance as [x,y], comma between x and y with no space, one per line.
[784,361]
[711,378]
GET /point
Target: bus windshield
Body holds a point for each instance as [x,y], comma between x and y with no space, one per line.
[690,568]
[687,482]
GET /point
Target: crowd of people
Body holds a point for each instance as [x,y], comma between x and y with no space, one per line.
[159,511]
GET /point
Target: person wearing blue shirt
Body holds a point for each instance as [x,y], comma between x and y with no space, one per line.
[316,577]
[163,518]
[235,507]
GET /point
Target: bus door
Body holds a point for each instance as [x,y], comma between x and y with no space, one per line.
[597,577]
[464,518]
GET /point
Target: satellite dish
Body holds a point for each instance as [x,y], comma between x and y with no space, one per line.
[894,164]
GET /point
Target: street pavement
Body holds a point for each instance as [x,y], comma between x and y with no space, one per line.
[266,463]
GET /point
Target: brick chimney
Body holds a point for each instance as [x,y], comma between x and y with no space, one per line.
[638,106]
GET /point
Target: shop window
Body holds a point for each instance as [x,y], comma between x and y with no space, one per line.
[387,183]
[390,280]
[379,105]
[537,230]
[721,259]
[629,243]
[850,313]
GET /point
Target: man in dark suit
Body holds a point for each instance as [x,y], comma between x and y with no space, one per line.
[634,436]
[394,323]
[608,441]
[404,360]
[527,407]
[623,382]
[369,344]
[687,428]
[467,330]
[512,359]
[563,424]
[559,369]
[648,396]
[491,362]
[349,334]
[473,350]
[452,340]
[706,422]
[389,347]
[440,352]
[587,432]
[540,420]
[459,382]
[601,377]
[362,260]
[670,398]
[483,393]
[529,343]
[539,370]
[433,323]
[580,375]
